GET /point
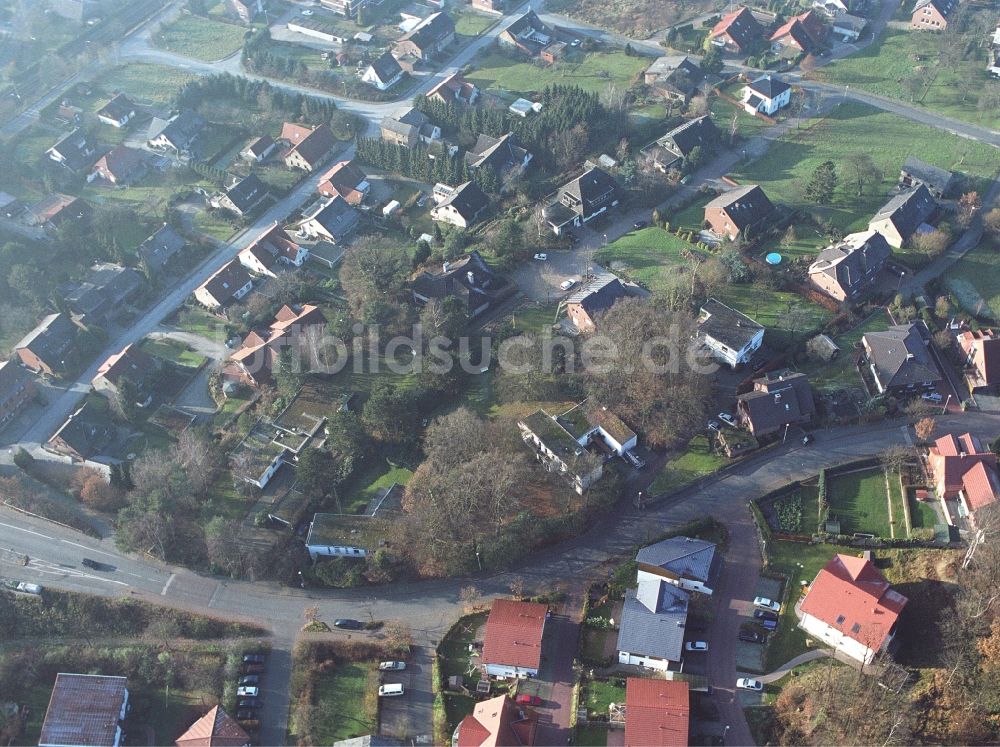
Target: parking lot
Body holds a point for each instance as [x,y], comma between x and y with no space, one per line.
[409,715]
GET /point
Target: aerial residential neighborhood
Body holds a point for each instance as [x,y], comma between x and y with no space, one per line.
[476,372]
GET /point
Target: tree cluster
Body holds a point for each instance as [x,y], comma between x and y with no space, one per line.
[255,93]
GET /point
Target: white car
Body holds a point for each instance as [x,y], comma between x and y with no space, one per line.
[392,666]
[749,683]
[247,691]
[932,397]
[726,418]
[307,12]
[390,691]
[766,604]
[566,284]
[696,646]
[575,43]
[541,257]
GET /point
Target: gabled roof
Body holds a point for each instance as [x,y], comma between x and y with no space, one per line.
[501,152]
[430,31]
[843,20]
[159,248]
[745,206]
[118,108]
[944,7]
[740,26]
[497,722]
[940,179]
[386,67]
[13,378]
[50,340]
[728,326]
[455,85]
[131,363]
[310,143]
[335,216]
[768,87]
[288,323]
[407,123]
[899,356]
[121,162]
[961,464]
[215,729]
[85,432]
[225,281]
[84,710]
[258,146]
[805,29]
[851,260]
[685,138]
[983,347]
[514,634]
[657,713]
[778,397]
[589,416]
[653,619]
[247,192]
[76,149]
[529,20]
[343,179]
[907,210]
[686,556]
[183,130]
[59,208]
[468,200]
[590,185]
[850,594]
[599,293]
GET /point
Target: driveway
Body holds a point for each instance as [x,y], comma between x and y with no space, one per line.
[554,684]
[274,693]
[410,716]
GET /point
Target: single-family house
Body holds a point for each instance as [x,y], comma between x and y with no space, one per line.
[502,154]
[348,8]
[308,147]
[730,336]
[428,38]
[559,452]
[528,34]
[132,364]
[160,249]
[229,283]
[215,729]
[85,709]
[738,211]
[932,15]
[898,359]
[495,722]
[469,279]
[577,202]
[849,27]
[490,6]
[674,77]
[939,182]
[341,536]
[120,166]
[454,88]
[687,563]
[50,348]
[778,399]
[463,207]
[58,210]
[831,8]
[736,32]
[264,450]
[651,634]
[981,356]
[76,151]
[767,94]
[408,128]
[259,149]
[657,713]
[848,269]
[84,434]
[17,388]
[272,248]
[180,134]
[585,306]
[345,179]
[383,73]
[591,423]
[799,34]
[512,642]
[245,10]
[118,112]
[902,215]
[242,197]
[100,296]
[671,149]
[851,607]
[295,330]
[331,219]
[965,475]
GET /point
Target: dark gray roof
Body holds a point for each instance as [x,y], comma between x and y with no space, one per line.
[159,248]
[907,210]
[13,379]
[690,135]
[77,150]
[653,619]
[336,216]
[847,21]
[600,293]
[528,20]
[728,326]
[105,286]
[407,123]
[900,357]
[940,179]
[386,67]
[469,200]
[430,31]
[768,86]
[944,7]
[685,556]
[247,192]
[483,285]
[118,108]
[183,130]
[778,398]
[745,206]
[86,431]
[51,340]
[591,186]
[501,153]
[854,261]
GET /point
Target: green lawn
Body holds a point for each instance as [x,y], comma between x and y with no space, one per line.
[593,71]
[840,373]
[597,695]
[591,736]
[592,647]
[199,321]
[975,281]
[747,125]
[342,701]
[896,499]
[144,82]
[880,67]
[647,256]
[472,24]
[691,217]
[174,351]
[858,501]
[922,515]
[200,38]
[382,473]
[855,128]
[787,316]
[697,461]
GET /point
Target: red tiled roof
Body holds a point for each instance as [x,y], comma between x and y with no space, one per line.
[657,713]
[979,486]
[960,464]
[806,29]
[215,729]
[850,595]
[514,634]
[343,179]
[131,363]
[983,347]
[312,143]
[497,722]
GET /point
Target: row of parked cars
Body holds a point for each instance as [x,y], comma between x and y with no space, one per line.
[765,620]
[249,702]
[389,689]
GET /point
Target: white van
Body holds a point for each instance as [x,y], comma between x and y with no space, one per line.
[389,691]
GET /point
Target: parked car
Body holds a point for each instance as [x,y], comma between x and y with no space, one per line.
[575,43]
[307,12]
[931,396]
[768,624]
[726,418]
[388,691]
[766,604]
[253,658]
[639,224]
[541,256]
[808,439]
[765,615]
[392,666]
[529,700]
[566,284]
[714,425]
[253,669]
[749,683]
[250,679]
[347,624]
[247,691]
[249,703]
[634,460]
[88,563]
[752,636]
[696,646]
[245,714]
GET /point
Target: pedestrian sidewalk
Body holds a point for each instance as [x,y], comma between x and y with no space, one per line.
[777,674]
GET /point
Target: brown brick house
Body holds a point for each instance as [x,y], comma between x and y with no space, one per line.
[736,31]
[932,15]
[733,213]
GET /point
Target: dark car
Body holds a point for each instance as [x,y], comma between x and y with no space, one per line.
[250,679]
[347,624]
[245,715]
[253,669]
[765,615]
[253,658]
[752,636]
[639,224]
[768,624]
[249,703]
[88,563]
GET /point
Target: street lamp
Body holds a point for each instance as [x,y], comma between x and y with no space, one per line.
[900,283]
[478,561]
[605,239]
[945,408]
[724,733]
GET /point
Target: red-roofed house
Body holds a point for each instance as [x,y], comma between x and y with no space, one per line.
[964,472]
[736,32]
[496,722]
[657,713]
[454,88]
[297,331]
[215,729]
[131,363]
[345,180]
[850,607]
[982,357]
[802,33]
[308,147]
[272,248]
[512,645]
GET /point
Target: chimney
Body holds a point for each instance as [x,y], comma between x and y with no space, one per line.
[445,267]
